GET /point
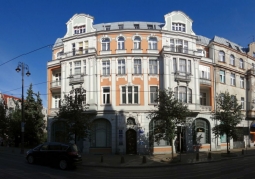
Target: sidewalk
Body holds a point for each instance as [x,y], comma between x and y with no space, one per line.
[134,161]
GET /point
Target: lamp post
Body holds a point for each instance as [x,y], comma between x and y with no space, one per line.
[21,67]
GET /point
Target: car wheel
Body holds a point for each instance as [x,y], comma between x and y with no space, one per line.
[63,164]
[31,159]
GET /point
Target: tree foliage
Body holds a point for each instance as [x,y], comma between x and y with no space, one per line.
[78,121]
[169,113]
[4,121]
[228,115]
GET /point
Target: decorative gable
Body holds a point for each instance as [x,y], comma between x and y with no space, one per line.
[179,22]
[79,24]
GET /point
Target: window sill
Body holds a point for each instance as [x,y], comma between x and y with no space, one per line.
[152,104]
[106,104]
[106,75]
[137,74]
[153,74]
[241,68]
[121,75]
[221,61]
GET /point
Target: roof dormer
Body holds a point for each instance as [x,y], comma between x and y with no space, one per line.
[79,24]
[179,22]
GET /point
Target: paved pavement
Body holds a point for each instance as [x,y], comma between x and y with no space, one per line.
[111,160]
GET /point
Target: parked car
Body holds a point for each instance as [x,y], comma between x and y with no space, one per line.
[63,155]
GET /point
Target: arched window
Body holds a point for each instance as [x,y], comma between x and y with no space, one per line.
[155,131]
[121,43]
[137,42]
[153,43]
[105,44]
[101,133]
[201,131]
[183,93]
[232,60]
[241,63]
[131,121]
[221,56]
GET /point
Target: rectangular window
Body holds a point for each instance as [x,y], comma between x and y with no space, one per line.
[182,65]
[232,79]
[202,98]
[153,67]
[84,67]
[70,68]
[108,27]
[136,26]
[172,45]
[121,67]
[222,76]
[77,67]
[73,48]
[86,46]
[150,26]
[124,98]
[242,102]
[204,72]
[185,47]
[179,45]
[106,67]
[130,96]
[241,82]
[121,26]
[106,95]
[153,94]
[80,48]
[137,66]
[189,67]
[174,65]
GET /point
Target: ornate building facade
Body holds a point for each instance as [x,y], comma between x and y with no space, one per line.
[121,65]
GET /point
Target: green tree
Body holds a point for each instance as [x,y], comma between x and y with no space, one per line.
[34,122]
[78,121]
[4,121]
[169,113]
[228,115]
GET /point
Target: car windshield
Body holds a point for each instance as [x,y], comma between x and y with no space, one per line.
[38,147]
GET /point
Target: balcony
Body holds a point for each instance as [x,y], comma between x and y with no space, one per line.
[205,81]
[182,76]
[205,108]
[77,53]
[76,79]
[55,86]
[177,49]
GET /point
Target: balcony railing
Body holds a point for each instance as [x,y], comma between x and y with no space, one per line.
[206,108]
[182,76]
[76,79]
[205,81]
[177,49]
[55,84]
[77,52]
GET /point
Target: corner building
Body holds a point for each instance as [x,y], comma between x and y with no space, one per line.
[117,68]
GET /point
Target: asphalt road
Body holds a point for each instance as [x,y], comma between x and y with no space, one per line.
[16,167]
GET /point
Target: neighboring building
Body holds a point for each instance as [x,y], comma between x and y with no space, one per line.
[121,65]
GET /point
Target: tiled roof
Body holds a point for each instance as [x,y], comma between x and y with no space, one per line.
[203,40]
[228,43]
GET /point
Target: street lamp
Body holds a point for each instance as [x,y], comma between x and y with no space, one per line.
[21,67]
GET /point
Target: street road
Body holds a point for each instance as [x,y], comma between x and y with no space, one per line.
[16,167]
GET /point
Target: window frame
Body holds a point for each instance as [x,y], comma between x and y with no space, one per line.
[106,98]
[153,67]
[138,66]
[232,60]
[105,45]
[222,76]
[137,43]
[106,67]
[241,82]
[241,63]
[153,43]
[121,43]
[232,79]
[121,67]
[242,103]
[130,96]
[153,94]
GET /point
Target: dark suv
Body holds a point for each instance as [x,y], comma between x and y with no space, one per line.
[60,154]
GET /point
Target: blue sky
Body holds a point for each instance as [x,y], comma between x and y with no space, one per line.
[28,25]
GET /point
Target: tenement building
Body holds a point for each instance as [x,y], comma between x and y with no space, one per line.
[118,67]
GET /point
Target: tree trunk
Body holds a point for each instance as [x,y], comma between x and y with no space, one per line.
[172,148]
[227,143]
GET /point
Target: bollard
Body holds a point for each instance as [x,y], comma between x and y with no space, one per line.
[102,159]
[144,159]
[197,156]
[242,151]
[209,156]
[122,160]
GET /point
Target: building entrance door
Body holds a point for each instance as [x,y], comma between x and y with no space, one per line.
[131,139]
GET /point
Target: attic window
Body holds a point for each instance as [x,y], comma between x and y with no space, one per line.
[229,44]
[178,27]
[150,26]
[108,27]
[79,29]
[237,48]
[136,26]
[121,26]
